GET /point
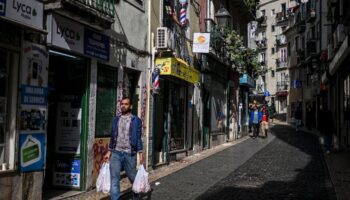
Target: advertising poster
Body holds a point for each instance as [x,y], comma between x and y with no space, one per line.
[67,173]
[68,128]
[33,107]
[34,73]
[32,151]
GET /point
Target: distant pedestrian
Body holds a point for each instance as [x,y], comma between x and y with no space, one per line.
[298,115]
[265,122]
[326,127]
[255,120]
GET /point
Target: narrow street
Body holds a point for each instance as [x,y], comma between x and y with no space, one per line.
[286,165]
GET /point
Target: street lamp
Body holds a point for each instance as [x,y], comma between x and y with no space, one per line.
[223,16]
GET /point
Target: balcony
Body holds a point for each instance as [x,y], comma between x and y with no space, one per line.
[311,48]
[282,86]
[301,56]
[280,64]
[310,13]
[262,22]
[300,27]
[261,43]
[281,40]
[281,19]
[99,13]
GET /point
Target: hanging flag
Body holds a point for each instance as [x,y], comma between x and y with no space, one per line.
[169,10]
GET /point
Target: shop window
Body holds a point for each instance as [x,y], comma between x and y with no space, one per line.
[177,110]
[106,100]
[8,95]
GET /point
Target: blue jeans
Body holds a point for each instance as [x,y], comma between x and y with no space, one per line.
[121,161]
[328,138]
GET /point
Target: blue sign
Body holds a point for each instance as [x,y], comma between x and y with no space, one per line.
[2,7]
[67,173]
[246,80]
[34,95]
[31,152]
[297,84]
[266,93]
[96,45]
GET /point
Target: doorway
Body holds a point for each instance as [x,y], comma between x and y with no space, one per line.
[67,122]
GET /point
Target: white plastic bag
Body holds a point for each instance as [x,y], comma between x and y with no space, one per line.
[103,182]
[141,184]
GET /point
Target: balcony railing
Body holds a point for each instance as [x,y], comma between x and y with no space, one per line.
[300,27]
[310,13]
[282,18]
[282,86]
[261,42]
[281,40]
[103,6]
[311,47]
[280,64]
[262,22]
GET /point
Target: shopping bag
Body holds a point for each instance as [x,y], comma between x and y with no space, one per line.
[141,184]
[103,182]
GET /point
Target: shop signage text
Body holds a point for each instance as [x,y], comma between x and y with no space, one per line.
[67,173]
[26,12]
[201,42]
[177,68]
[246,80]
[70,35]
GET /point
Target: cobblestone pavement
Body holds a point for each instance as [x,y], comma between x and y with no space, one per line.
[287,165]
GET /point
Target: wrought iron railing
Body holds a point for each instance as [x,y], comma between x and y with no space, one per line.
[282,86]
[106,7]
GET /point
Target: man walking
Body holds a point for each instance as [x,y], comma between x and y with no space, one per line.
[326,127]
[255,120]
[125,147]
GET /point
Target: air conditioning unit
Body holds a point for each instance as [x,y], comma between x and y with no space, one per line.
[340,33]
[165,39]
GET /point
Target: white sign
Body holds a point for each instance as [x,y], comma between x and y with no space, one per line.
[201,42]
[24,11]
[68,129]
[65,33]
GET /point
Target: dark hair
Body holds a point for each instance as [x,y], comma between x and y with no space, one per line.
[129,98]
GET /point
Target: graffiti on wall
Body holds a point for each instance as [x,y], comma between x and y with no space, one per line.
[100,148]
[143,108]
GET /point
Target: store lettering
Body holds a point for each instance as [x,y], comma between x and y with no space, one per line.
[67,32]
[21,6]
[34,100]
[37,91]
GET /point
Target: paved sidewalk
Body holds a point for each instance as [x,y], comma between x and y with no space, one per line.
[338,163]
[158,172]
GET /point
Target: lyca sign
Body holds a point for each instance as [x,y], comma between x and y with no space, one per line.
[24,11]
[70,35]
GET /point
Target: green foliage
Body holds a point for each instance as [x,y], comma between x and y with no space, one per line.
[251,4]
[242,58]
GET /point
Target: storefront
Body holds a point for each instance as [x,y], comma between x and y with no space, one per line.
[23,99]
[246,83]
[77,55]
[173,113]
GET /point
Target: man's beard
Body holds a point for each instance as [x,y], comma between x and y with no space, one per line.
[125,111]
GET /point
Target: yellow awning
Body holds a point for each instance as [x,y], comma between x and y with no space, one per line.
[178,68]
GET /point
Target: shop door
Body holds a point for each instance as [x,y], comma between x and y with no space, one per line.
[67,122]
[161,125]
